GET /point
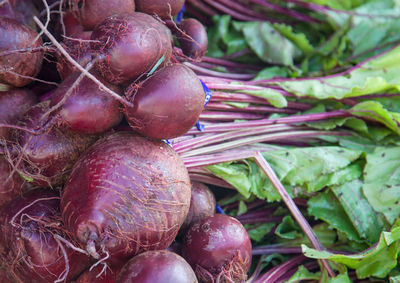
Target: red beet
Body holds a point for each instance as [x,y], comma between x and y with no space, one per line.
[218,248]
[98,275]
[20,10]
[202,204]
[125,195]
[131,44]
[165,9]
[29,247]
[157,267]
[167,104]
[89,109]
[14,36]
[72,24]
[193,38]
[13,105]
[48,157]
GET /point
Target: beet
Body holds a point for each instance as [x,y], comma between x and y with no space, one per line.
[19,10]
[193,38]
[89,109]
[125,195]
[29,248]
[48,157]
[13,105]
[167,104]
[97,275]
[131,44]
[202,204]
[13,36]
[12,188]
[218,248]
[157,267]
[165,9]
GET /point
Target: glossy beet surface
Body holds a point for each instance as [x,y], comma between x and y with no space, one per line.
[167,104]
[13,105]
[202,204]
[193,38]
[98,275]
[93,12]
[157,267]
[14,36]
[28,245]
[132,44]
[126,195]
[89,109]
[162,8]
[218,247]
[48,157]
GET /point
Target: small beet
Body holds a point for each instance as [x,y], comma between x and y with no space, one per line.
[167,104]
[193,38]
[126,195]
[13,36]
[219,249]
[131,45]
[157,267]
[165,9]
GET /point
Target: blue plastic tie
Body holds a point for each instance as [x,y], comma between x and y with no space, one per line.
[207,99]
[219,209]
[179,17]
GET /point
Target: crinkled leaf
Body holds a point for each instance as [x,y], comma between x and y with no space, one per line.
[298,39]
[382,181]
[341,278]
[288,229]
[272,72]
[303,274]
[274,97]
[257,232]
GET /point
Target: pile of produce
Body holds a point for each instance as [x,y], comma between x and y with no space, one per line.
[199,141]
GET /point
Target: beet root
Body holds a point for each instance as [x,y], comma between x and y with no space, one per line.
[131,44]
[165,9]
[88,109]
[219,249]
[99,274]
[17,68]
[157,267]
[192,38]
[125,195]
[29,245]
[167,104]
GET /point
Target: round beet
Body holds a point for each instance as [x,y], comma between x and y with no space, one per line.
[98,275]
[202,204]
[125,195]
[218,248]
[92,12]
[157,267]
[167,104]
[48,157]
[193,38]
[29,247]
[14,36]
[88,109]
[165,9]
[20,10]
[13,105]
[131,44]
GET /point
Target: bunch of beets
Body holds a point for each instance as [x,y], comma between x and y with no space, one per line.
[84,197]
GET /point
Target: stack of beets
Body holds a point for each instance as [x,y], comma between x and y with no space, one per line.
[83,197]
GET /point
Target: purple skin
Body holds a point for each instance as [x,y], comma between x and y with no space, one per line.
[192,38]
[88,110]
[28,247]
[157,267]
[126,195]
[14,36]
[108,276]
[167,104]
[20,10]
[165,9]
[131,45]
[13,105]
[218,248]
[202,204]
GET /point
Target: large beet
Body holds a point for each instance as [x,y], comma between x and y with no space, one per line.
[13,105]
[157,267]
[126,194]
[48,157]
[162,8]
[13,65]
[20,10]
[29,248]
[167,104]
[131,44]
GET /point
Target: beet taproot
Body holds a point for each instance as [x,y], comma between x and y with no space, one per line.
[165,9]
[167,104]
[192,38]
[131,45]
[157,267]
[126,195]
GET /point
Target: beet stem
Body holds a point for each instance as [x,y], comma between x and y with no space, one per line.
[205,71]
